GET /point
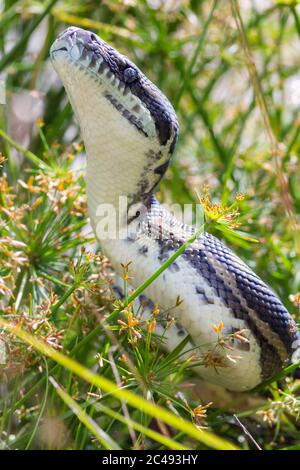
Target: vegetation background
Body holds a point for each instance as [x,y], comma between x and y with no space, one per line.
[72,374]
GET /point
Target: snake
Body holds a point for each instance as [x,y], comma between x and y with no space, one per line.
[130,130]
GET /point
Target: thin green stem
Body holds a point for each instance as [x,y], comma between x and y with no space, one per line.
[31,156]
[157,273]
[6,59]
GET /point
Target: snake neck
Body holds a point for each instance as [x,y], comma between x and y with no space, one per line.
[121,162]
[118,172]
[114,191]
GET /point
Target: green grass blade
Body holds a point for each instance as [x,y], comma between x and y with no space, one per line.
[31,156]
[43,406]
[131,398]
[159,271]
[88,422]
[166,441]
[11,56]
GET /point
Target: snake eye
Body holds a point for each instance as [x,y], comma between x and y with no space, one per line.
[94,37]
[130,74]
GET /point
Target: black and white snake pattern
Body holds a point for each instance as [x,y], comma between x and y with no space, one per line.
[130,131]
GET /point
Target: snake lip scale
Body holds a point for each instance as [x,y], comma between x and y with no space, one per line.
[130,131]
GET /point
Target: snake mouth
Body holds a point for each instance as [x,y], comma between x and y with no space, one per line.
[57,49]
[60,49]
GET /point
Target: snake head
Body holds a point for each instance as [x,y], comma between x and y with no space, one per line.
[119,80]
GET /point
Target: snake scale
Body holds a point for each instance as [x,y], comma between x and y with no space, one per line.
[130,131]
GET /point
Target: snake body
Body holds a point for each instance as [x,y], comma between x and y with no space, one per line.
[130,131]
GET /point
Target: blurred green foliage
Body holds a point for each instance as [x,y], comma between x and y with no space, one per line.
[195,53]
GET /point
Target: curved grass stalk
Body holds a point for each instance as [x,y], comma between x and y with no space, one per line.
[205,437]
[102,436]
